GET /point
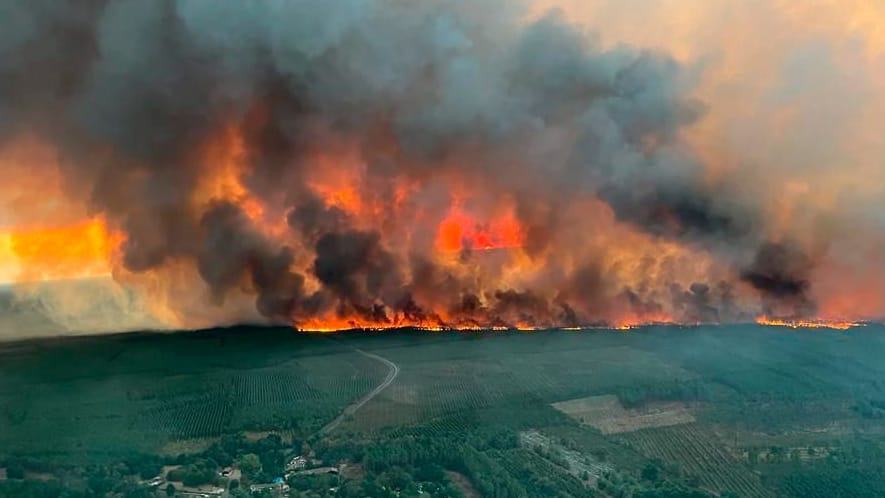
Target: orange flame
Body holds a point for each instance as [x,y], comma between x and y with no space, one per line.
[79,250]
[459,231]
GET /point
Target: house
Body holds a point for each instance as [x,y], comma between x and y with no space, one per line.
[296,463]
[276,487]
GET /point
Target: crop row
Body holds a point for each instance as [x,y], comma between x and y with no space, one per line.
[699,456]
[250,399]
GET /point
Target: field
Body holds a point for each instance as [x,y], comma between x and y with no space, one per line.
[746,410]
[608,415]
[700,455]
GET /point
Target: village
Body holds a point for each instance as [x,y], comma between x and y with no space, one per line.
[229,481]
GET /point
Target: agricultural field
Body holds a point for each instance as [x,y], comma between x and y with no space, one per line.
[699,456]
[608,415]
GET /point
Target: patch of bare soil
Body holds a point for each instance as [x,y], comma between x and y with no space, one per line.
[606,414]
[39,476]
[187,446]
[463,484]
[352,471]
[259,435]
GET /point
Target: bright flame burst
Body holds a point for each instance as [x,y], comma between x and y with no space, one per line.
[73,251]
[459,230]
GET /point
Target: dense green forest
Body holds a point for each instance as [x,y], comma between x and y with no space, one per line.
[741,411]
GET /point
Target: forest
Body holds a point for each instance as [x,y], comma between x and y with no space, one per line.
[762,412]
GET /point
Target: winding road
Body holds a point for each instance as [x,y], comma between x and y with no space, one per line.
[356,405]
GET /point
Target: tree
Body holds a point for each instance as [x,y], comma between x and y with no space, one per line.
[170,489]
[650,472]
[15,471]
[146,466]
[250,465]
[139,492]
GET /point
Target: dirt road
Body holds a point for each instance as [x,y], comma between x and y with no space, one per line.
[356,405]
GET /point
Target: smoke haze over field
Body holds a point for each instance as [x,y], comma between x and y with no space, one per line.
[453,163]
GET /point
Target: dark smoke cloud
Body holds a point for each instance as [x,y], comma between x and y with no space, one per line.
[233,251]
[129,90]
[354,266]
[313,218]
[781,272]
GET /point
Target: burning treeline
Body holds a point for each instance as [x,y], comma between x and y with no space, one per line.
[375,163]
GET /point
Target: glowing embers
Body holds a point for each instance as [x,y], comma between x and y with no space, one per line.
[808,323]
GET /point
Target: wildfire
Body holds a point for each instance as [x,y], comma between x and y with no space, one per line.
[330,324]
[73,251]
[469,221]
[224,156]
[808,323]
[335,323]
[459,231]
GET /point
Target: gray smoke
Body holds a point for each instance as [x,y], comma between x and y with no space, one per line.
[129,89]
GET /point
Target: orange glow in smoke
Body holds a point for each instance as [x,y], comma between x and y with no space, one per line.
[73,251]
[345,198]
[225,159]
[459,231]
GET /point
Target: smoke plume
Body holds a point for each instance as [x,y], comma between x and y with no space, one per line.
[376,163]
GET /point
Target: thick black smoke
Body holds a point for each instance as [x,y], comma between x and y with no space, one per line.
[130,89]
[780,271]
[233,251]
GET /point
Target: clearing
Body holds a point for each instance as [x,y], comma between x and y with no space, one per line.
[606,414]
[463,484]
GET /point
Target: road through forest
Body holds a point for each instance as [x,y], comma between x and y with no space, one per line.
[356,405]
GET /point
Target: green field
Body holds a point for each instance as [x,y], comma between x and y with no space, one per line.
[740,411]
